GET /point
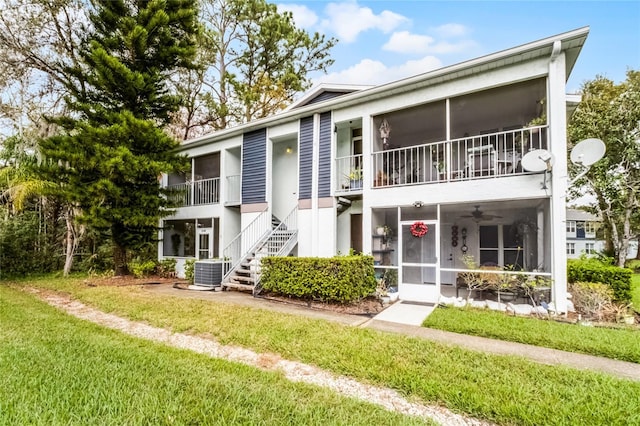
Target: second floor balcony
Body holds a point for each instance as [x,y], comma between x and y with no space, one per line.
[195,193]
[492,155]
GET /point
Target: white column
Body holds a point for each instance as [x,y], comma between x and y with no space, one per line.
[314,186]
[557,122]
[367,179]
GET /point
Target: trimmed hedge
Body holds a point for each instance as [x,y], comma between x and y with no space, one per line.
[617,278]
[633,264]
[341,279]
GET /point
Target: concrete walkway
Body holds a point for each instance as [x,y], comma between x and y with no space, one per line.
[622,369]
[406,313]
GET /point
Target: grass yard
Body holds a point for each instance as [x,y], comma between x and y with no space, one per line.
[618,343]
[507,390]
[57,370]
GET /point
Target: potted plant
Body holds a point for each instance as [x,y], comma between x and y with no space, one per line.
[355,178]
[384,231]
[387,289]
[390,278]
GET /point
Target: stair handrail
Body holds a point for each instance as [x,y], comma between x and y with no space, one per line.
[252,236]
[289,224]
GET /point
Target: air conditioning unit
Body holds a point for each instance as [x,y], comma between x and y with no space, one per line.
[208,273]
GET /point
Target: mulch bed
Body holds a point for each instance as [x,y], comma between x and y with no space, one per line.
[128,280]
[369,306]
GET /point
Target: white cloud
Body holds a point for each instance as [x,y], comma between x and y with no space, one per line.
[348,20]
[369,71]
[447,47]
[302,15]
[451,30]
[405,42]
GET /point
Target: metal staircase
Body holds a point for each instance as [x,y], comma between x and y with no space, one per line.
[262,238]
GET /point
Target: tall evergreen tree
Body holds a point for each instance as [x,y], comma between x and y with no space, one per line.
[113,149]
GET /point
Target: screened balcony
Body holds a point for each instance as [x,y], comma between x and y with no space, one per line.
[200,186]
[478,135]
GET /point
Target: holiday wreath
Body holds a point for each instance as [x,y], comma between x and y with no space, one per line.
[419,229]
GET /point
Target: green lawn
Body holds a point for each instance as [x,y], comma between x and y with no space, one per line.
[57,370]
[502,389]
[623,343]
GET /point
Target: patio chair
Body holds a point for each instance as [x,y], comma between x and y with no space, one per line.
[482,161]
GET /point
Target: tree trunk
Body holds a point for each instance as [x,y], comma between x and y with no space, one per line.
[73,238]
[120,260]
[626,235]
[68,257]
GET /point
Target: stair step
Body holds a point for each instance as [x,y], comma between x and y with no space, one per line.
[238,286]
[240,278]
[243,271]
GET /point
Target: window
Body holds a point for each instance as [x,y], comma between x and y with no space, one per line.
[500,246]
[590,248]
[356,147]
[571,248]
[179,238]
[590,227]
[571,226]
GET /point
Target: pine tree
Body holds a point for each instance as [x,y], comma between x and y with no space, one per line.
[113,148]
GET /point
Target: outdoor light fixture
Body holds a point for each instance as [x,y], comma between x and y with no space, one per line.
[289,150]
[418,204]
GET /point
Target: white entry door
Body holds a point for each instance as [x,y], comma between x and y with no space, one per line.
[419,267]
[447,251]
[205,236]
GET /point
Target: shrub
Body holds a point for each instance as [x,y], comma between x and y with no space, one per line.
[24,248]
[619,279]
[591,298]
[341,279]
[99,259]
[142,269]
[189,269]
[167,268]
[633,264]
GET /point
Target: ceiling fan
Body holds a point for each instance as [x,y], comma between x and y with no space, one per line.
[478,215]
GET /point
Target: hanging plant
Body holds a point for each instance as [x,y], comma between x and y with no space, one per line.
[419,229]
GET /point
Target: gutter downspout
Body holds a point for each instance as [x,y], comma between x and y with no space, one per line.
[558,138]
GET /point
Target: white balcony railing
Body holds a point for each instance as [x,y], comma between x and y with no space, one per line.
[474,157]
[199,192]
[181,194]
[233,190]
[349,173]
[206,191]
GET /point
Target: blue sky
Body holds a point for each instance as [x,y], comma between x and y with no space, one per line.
[381,41]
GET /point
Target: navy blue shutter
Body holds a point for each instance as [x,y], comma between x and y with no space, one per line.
[306,157]
[324,160]
[254,167]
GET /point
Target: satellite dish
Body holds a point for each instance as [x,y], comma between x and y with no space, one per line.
[537,160]
[588,152]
